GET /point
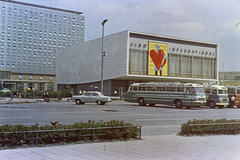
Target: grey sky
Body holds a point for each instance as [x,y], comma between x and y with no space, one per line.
[203,20]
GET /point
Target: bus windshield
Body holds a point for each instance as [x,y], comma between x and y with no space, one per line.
[222,92]
[198,90]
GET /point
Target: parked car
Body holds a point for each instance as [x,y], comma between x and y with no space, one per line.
[91,97]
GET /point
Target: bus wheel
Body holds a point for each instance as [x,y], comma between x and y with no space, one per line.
[212,104]
[178,104]
[188,107]
[141,102]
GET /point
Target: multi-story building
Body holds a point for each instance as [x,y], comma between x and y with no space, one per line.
[229,76]
[30,36]
[136,57]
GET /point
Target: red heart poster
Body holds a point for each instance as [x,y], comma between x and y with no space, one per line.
[157,58]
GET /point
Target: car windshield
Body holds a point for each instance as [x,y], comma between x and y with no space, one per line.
[222,92]
[101,94]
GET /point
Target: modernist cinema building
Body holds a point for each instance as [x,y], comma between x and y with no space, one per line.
[132,57]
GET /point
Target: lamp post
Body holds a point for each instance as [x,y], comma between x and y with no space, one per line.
[103,23]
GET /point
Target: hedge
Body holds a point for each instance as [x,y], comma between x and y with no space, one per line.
[38,94]
[15,139]
[224,126]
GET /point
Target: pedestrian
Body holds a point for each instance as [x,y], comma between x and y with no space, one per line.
[47,95]
[25,95]
[11,96]
[80,92]
[20,97]
[32,95]
[115,93]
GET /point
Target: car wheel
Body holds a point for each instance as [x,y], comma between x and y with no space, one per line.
[141,102]
[78,102]
[82,103]
[99,102]
[152,105]
[178,104]
[212,104]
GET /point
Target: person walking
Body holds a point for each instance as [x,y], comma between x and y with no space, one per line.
[20,97]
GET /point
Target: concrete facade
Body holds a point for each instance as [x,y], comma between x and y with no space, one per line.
[31,34]
[127,61]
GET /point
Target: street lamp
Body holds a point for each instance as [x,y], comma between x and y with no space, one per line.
[103,23]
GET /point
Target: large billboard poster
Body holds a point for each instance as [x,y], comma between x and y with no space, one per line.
[157,60]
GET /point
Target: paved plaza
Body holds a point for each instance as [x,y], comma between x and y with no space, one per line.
[163,147]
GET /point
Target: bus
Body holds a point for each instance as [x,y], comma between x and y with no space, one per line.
[216,96]
[234,96]
[178,94]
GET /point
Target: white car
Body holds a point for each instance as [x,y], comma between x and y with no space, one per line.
[91,97]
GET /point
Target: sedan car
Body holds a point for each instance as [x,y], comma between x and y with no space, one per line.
[91,97]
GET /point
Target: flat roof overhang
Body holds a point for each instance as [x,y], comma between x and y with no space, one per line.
[149,78]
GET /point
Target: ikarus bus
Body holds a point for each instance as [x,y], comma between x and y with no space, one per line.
[178,94]
[216,95]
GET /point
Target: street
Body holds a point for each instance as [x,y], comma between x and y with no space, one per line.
[158,120]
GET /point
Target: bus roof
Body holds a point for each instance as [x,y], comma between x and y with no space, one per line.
[167,84]
[216,87]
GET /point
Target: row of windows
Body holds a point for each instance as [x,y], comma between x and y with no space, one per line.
[29,55]
[36,14]
[36,49]
[29,61]
[165,89]
[40,32]
[59,23]
[31,77]
[11,38]
[27,67]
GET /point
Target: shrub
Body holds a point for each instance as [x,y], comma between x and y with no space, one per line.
[19,135]
[225,127]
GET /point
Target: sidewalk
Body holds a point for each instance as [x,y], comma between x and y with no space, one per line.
[163,147]
[6,100]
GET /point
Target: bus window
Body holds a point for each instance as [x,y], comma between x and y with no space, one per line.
[214,91]
[231,91]
[161,89]
[142,88]
[171,89]
[238,91]
[188,89]
[151,88]
[134,88]
[207,90]
[222,91]
[198,90]
[180,89]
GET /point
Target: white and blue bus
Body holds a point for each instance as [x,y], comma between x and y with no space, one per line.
[216,95]
[178,94]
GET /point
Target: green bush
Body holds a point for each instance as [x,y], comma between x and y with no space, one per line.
[19,135]
[226,128]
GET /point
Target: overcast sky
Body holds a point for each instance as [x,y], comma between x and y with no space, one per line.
[216,21]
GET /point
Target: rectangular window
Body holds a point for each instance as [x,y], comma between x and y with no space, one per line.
[138,62]
[186,66]
[50,86]
[174,65]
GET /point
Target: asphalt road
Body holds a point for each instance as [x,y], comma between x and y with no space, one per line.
[158,120]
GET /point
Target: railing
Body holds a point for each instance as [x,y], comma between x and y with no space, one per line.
[212,124]
[67,130]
